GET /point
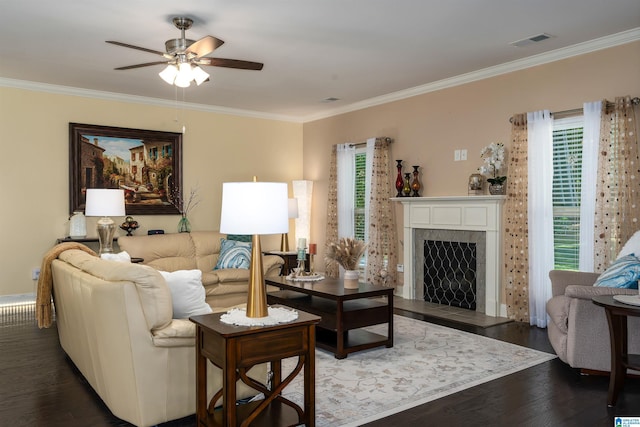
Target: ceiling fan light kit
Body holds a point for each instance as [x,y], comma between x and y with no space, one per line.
[183,75]
[185,56]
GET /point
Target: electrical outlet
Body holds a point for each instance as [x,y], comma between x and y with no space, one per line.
[35,274]
[463,154]
[456,156]
[400,268]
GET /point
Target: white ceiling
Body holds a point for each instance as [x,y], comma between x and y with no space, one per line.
[354,50]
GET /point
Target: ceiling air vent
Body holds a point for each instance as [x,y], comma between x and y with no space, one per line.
[331,99]
[530,40]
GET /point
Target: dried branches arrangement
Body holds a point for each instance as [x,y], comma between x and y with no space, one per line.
[346,252]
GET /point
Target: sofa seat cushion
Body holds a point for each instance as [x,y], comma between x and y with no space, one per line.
[229,275]
[624,272]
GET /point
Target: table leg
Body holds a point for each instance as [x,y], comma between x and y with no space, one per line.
[201,381]
[310,380]
[229,378]
[618,339]
[390,330]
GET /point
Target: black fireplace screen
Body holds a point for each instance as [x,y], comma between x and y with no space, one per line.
[450,273]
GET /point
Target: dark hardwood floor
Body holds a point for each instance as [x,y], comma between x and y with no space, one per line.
[39,386]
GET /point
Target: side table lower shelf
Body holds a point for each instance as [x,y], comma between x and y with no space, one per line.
[235,349]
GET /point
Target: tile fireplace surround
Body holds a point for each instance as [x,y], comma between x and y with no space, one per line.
[455,213]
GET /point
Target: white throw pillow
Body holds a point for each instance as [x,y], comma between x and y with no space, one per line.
[120,257]
[187,293]
[631,247]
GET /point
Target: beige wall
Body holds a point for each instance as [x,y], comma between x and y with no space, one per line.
[428,128]
[34,167]
[218,147]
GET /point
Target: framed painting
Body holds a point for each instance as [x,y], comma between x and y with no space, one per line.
[146,164]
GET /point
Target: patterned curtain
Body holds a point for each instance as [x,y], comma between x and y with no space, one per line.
[382,253]
[618,182]
[516,237]
[331,268]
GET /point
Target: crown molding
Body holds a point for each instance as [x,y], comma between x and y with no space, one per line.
[508,67]
[157,102]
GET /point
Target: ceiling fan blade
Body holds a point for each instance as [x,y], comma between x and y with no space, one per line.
[230,63]
[130,46]
[129,67]
[204,46]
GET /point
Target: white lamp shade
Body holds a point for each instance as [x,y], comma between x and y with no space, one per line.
[105,202]
[199,75]
[254,208]
[169,74]
[293,208]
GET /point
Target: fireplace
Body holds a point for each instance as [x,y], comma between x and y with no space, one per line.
[452,267]
[452,251]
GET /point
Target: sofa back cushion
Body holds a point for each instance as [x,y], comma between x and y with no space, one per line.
[153,291]
[207,248]
[165,252]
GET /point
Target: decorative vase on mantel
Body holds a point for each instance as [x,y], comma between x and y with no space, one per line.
[415,184]
[406,189]
[184,226]
[497,189]
[399,180]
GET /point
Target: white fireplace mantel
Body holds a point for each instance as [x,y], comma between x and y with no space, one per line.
[471,213]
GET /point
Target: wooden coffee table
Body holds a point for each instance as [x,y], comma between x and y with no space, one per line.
[344,312]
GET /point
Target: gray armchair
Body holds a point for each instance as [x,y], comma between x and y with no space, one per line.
[578,329]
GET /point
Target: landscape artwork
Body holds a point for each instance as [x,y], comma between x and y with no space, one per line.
[146,164]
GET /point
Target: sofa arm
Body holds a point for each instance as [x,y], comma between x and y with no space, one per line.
[560,279]
[179,333]
[588,292]
[272,265]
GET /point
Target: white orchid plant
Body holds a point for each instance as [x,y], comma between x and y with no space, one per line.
[493,155]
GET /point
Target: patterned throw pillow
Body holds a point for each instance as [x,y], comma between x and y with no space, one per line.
[234,254]
[240,237]
[622,273]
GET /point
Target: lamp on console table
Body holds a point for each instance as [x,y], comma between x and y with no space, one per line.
[104,203]
[255,208]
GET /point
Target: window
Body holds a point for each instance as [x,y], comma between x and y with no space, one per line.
[567,167]
[359,195]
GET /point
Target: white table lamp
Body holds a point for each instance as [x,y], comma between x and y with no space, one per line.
[104,203]
[255,208]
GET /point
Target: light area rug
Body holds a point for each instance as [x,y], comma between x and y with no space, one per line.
[427,362]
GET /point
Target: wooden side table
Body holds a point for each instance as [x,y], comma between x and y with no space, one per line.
[235,349]
[290,261]
[617,314]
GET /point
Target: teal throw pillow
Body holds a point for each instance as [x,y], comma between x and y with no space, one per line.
[240,237]
[234,254]
[622,273]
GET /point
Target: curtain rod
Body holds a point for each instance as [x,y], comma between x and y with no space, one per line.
[576,111]
[362,144]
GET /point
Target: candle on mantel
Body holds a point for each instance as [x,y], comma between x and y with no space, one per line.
[312,248]
[302,242]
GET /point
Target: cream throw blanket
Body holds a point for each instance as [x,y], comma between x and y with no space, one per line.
[44,309]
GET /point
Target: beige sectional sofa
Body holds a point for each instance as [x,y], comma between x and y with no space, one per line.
[198,250]
[115,323]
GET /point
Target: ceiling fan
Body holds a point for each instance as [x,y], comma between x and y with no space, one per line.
[184,57]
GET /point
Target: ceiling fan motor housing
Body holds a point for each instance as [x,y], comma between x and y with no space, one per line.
[175,46]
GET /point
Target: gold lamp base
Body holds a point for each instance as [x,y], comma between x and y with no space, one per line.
[257,296]
[284,242]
